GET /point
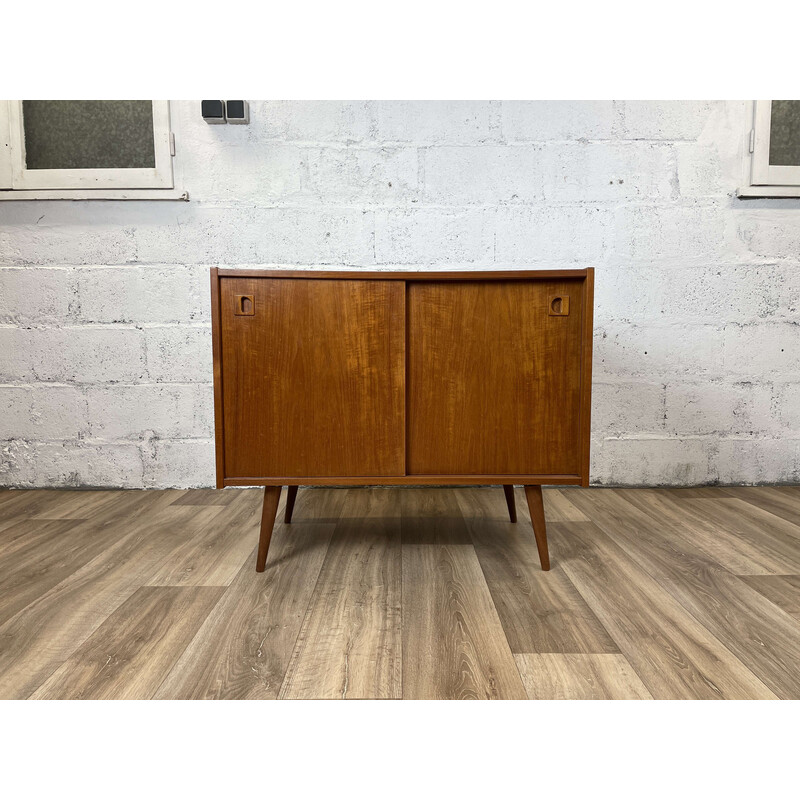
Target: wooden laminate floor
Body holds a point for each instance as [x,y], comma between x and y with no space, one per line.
[401,593]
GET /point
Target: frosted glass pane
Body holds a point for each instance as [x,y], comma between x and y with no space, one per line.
[784,139]
[88,134]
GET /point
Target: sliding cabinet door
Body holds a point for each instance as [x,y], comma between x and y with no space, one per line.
[313,377]
[494,377]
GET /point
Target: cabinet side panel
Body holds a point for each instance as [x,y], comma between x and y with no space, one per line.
[314,378]
[216,345]
[494,378]
[586,377]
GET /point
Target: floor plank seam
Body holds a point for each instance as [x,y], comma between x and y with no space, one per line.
[189,643]
[653,573]
[311,597]
[494,604]
[634,582]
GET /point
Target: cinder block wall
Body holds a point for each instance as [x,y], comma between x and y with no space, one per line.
[105,350]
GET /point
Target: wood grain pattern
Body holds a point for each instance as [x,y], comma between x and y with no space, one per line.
[727,532]
[214,555]
[272,496]
[540,612]
[44,503]
[433,517]
[451,646]
[244,647]
[533,494]
[301,344]
[695,493]
[493,381]
[78,505]
[633,578]
[39,638]
[46,551]
[21,533]
[782,501]
[781,590]
[129,655]
[558,506]
[747,519]
[577,676]
[31,567]
[752,518]
[207,497]
[765,640]
[673,654]
[350,645]
[61,504]
[314,383]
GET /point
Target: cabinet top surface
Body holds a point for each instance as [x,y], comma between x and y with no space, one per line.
[405,275]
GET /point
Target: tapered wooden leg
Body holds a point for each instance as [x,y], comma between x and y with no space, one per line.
[510,502]
[271,496]
[533,494]
[291,494]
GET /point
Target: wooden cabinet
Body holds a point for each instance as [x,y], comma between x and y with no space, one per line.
[347,378]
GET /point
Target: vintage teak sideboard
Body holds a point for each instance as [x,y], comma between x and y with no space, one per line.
[402,378]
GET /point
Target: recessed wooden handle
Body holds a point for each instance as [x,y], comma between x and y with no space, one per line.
[559,305]
[244,306]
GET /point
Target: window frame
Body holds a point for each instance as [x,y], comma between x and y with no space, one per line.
[760,178]
[19,183]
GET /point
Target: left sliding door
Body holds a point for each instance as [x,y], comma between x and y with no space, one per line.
[313,377]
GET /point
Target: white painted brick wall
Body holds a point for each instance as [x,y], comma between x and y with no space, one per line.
[545,235]
[140,294]
[72,353]
[190,459]
[718,408]
[37,296]
[628,408]
[105,354]
[614,172]
[485,175]
[174,411]
[750,457]
[668,235]
[652,460]
[460,121]
[64,463]
[670,120]
[43,411]
[381,175]
[433,236]
[314,121]
[763,351]
[658,351]
[559,119]
[786,406]
[179,354]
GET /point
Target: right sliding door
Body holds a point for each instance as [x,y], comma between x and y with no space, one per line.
[494,377]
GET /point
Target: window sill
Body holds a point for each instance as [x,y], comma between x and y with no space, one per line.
[94,194]
[768,191]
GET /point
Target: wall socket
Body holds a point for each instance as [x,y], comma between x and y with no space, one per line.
[213,111]
[238,112]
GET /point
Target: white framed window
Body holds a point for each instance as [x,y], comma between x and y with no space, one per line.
[86,149]
[773,166]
